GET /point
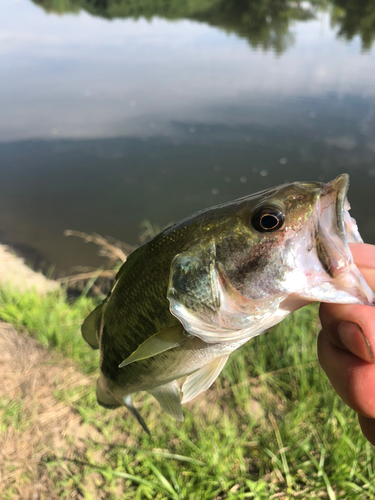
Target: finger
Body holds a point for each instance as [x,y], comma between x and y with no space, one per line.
[364,258]
[350,327]
[346,346]
[363,254]
[352,377]
[361,342]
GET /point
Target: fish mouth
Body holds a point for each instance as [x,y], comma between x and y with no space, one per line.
[335,229]
[331,239]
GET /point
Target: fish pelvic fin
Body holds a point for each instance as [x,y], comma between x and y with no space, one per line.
[202,379]
[169,398]
[92,326]
[129,404]
[159,342]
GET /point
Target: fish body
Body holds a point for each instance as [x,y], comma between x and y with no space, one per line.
[200,289]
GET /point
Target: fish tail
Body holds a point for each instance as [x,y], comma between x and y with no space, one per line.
[129,404]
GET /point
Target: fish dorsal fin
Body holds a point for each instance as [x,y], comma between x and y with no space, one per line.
[168,396]
[159,342]
[91,327]
[202,379]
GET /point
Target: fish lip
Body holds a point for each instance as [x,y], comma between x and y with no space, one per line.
[341,186]
[331,238]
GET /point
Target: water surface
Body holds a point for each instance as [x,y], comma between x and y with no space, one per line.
[110,117]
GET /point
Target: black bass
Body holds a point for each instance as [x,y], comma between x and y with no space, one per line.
[200,289]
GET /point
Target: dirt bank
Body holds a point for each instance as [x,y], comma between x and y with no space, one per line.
[16,274]
[33,422]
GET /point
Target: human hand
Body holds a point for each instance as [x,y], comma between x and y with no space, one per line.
[346,347]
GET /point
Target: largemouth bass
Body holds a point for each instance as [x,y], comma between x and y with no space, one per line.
[203,287]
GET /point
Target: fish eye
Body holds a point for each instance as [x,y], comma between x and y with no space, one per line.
[267,219]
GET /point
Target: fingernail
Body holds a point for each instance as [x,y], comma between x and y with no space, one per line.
[348,333]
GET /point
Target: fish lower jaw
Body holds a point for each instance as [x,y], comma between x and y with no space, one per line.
[355,282]
[348,288]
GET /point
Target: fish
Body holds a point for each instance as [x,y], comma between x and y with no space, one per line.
[201,288]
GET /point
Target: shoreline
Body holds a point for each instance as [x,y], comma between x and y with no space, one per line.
[14,273]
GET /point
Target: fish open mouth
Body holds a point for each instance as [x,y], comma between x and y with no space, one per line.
[346,225]
[331,239]
[335,230]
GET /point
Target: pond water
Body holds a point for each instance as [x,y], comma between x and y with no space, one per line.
[117,112]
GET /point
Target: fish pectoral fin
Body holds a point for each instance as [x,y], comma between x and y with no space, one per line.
[202,379]
[91,327]
[168,396]
[159,342]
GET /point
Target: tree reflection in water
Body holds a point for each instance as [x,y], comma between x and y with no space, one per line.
[264,24]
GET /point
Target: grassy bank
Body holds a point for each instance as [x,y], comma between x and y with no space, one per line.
[271,427]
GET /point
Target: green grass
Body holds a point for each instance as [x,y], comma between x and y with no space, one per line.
[11,415]
[52,321]
[271,427]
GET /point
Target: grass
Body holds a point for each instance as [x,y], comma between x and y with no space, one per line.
[10,414]
[52,321]
[271,427]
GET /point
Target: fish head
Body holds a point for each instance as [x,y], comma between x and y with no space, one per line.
[265,256]
[294,240]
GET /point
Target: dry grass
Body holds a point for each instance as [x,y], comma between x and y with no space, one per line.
[99,281]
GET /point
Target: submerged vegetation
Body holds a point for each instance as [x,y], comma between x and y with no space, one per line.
[270,427]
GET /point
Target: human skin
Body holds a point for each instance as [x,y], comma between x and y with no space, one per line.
[346,347]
